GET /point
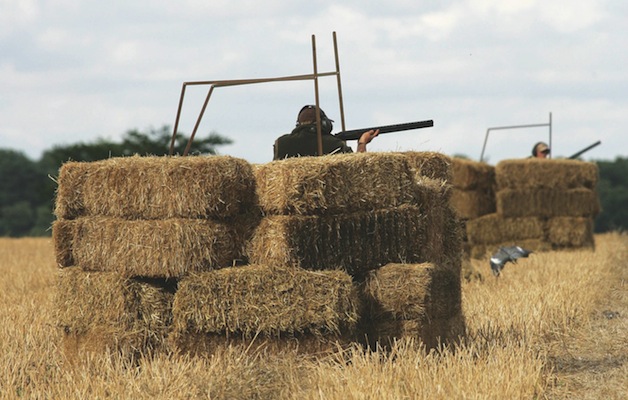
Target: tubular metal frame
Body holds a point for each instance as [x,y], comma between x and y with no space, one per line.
[236,82]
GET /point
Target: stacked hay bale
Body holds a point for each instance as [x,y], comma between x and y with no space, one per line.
[173,252]
[128,229]
[541,205]
[377,218]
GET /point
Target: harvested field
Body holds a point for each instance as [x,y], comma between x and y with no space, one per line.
[552,327]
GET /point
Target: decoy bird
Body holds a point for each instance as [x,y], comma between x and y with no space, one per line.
[506,254]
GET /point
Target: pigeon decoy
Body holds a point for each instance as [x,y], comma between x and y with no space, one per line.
[506,254]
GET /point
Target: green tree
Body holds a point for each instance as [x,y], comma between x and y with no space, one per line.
[613,193]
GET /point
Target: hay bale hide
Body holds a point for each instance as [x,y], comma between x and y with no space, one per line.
[102,310]
[334,184]
[255,299]
[579,202]
[158,248]
[531,173]
[155,188]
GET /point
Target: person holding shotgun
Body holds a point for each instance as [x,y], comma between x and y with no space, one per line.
[303,140]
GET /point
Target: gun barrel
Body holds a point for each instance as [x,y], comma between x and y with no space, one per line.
[578,154]
[355,134]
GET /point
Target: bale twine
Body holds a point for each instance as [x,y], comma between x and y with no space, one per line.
[155,187]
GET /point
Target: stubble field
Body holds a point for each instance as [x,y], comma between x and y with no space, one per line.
[554,326]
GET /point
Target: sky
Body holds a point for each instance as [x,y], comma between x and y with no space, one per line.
[79,70]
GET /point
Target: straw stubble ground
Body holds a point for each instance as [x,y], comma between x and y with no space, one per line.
[553,326]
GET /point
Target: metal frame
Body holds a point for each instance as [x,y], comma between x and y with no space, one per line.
[515,127]
[236,82]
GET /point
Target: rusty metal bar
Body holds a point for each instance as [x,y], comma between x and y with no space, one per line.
[319,134]
[176,122]
[516,127]
[340,100]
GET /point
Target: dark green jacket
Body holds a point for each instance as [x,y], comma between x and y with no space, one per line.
[302,141]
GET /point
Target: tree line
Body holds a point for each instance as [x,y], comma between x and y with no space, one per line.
[27,187]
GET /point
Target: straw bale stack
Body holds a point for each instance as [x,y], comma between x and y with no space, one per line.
[541,205]
[128,228]
[210,251]
[358,213]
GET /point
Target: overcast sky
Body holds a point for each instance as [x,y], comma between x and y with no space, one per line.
[77,70]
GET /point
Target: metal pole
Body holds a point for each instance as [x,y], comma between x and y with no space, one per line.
[176,121]
[513,127]
[550,134]
[319,134]
[340,100]
[198,121]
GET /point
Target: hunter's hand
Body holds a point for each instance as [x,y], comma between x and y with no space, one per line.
[366,138]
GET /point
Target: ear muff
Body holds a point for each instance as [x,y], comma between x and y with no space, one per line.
[326,124]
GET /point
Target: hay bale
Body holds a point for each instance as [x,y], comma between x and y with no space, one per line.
[531,173]
[155,188]
[549,203]
[103,310]
[472,175]
[355,242]
[158,248]
[334,184]
[494,228]
[255,299]
[570,232]
[430,165]
[471,204]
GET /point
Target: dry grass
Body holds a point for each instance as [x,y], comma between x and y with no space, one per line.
[554,326]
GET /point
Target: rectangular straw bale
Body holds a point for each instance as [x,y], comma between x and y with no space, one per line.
[494,228]
[97,310]
[156,187]
[334,184]
[578,202]
[355,242]
[543,173]
[479,251]
[472,175]
[258,299]
[430,164]
[471,204]
[154,248]
[571,232]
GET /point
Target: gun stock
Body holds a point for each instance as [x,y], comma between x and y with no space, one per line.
[578,154]
[355,134]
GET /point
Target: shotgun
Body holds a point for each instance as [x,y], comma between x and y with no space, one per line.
[578,154]
[355,134]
